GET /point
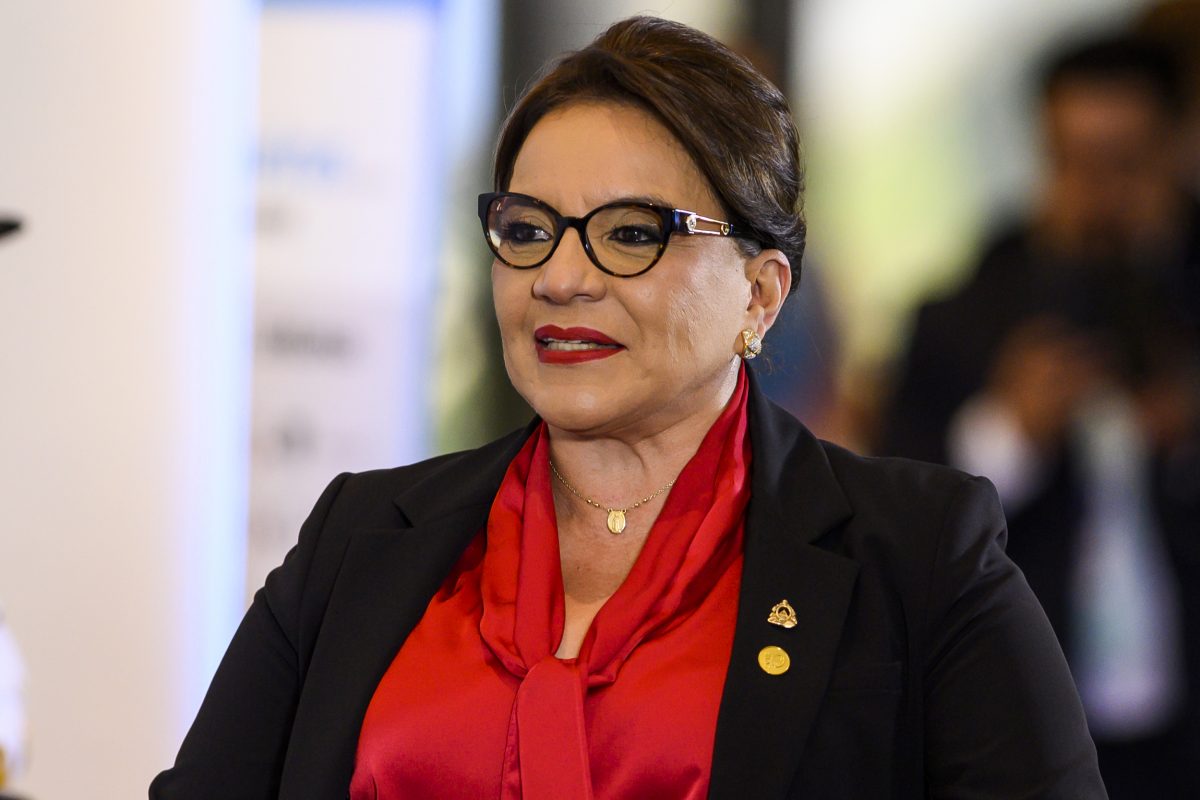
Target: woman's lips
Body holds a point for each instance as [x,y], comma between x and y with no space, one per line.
[557,345]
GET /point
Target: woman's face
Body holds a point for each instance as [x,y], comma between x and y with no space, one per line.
[677,326]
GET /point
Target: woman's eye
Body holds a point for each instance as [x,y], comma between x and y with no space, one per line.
[524,232]
[635,234]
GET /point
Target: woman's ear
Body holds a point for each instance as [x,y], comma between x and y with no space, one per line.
[770,276]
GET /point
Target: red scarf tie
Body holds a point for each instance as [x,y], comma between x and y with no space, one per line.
[690,545]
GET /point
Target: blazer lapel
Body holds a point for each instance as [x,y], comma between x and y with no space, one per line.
[385,582]
[764,719]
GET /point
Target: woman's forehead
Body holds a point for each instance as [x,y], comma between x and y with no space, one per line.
[588,154]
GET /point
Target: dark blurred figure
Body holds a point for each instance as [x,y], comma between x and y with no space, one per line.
[1175,25]
[797,369]
[798,366]
[1066,371]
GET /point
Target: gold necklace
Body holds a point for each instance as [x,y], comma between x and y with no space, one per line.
[616,516]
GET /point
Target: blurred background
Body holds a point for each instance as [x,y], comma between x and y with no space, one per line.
[242,256]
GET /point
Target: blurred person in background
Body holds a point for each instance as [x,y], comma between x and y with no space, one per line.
[664,586]
[799,372]
[1066,370]
[1175,25]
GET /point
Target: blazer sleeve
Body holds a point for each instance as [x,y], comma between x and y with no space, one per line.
[236,746]
[1002,716]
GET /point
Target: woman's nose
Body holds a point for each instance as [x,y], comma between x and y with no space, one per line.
[569,273]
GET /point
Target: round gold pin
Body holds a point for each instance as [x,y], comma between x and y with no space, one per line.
[774,660]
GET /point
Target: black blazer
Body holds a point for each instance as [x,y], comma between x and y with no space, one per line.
[922,666]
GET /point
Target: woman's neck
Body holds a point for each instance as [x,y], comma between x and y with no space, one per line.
[620,467]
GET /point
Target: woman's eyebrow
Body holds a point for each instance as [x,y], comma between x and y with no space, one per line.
[652,199]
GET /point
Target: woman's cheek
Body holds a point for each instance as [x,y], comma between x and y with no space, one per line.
[686,324]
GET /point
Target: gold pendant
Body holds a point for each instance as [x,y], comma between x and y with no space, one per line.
[783,615]
[616,520]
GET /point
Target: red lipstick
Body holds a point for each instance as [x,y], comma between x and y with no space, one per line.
[573,345]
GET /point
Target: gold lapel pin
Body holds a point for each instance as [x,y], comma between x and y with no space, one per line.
[774,660]
[783,615]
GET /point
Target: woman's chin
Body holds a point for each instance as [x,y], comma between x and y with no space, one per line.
[576,410]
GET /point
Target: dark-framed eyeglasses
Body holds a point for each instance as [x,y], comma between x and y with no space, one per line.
[623,238]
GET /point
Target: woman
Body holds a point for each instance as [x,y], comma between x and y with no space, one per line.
[664,586]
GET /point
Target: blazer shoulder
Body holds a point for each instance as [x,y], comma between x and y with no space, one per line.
[915,515]
[371,492]
[394,496]
[899,485]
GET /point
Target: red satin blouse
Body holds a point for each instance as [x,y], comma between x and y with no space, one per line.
[476,705]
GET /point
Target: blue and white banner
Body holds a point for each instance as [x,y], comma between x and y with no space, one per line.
[349,221]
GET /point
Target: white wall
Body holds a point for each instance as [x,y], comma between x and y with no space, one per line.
[124,362]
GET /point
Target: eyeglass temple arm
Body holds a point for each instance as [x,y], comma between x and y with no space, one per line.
[694,224]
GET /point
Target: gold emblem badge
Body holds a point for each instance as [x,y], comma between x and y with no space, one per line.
[783,615]
[774,660]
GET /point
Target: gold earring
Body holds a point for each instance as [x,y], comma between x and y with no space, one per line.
[751,344]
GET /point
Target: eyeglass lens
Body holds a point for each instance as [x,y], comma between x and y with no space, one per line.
[624,239]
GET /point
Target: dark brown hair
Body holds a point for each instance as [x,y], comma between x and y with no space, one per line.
[734,123]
